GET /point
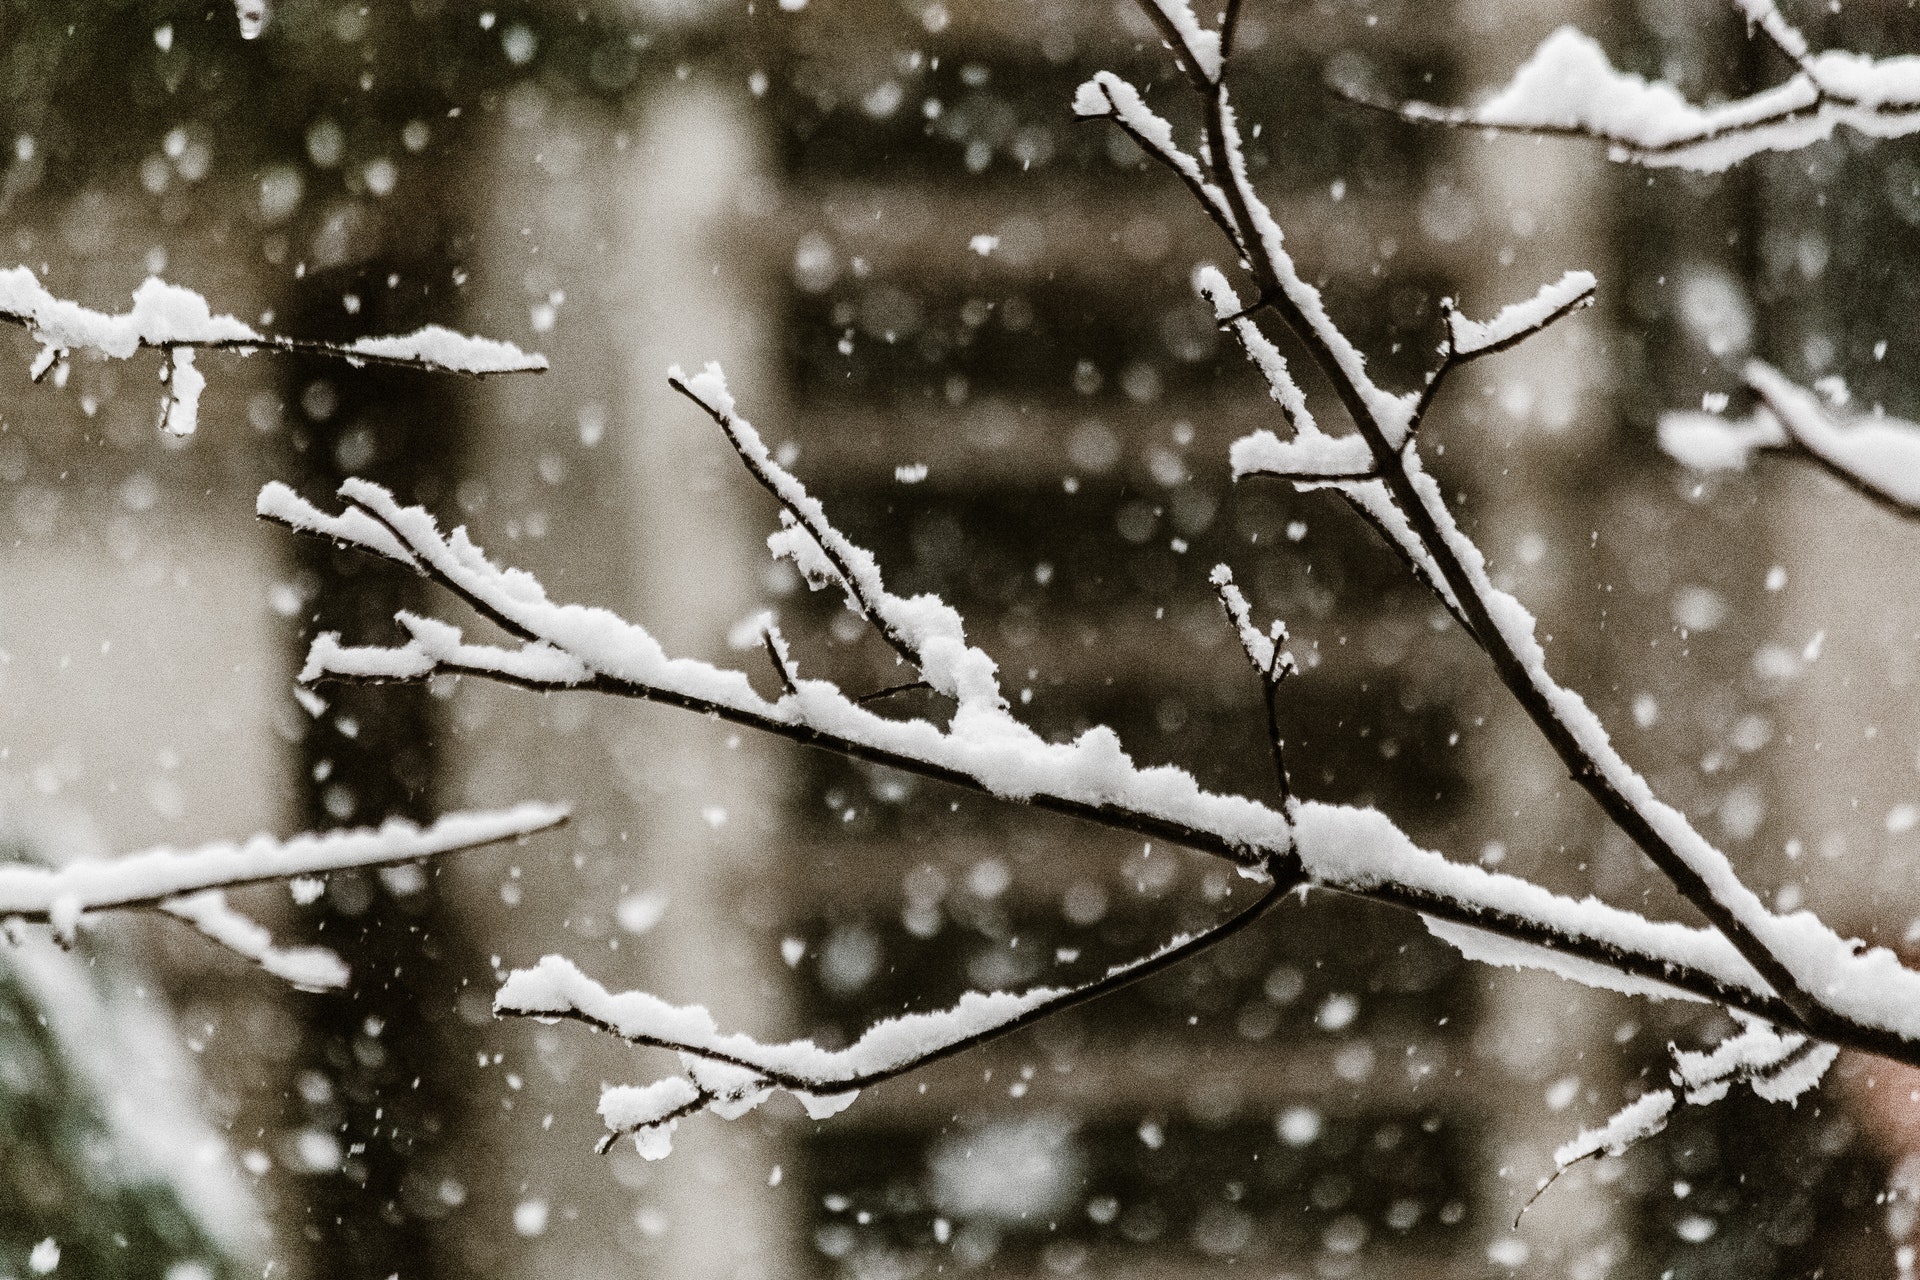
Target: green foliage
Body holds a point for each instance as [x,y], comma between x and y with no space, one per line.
[63,1173]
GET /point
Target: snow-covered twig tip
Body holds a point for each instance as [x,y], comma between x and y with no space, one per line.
[1645,1116]
[1875,455]
[925,631]
[1469,339]
[1779,1066]
[186,883]
[1569,87]
[1272,661]
[731,1074]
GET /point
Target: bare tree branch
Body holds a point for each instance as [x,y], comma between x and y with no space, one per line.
[851,566]
[890,690]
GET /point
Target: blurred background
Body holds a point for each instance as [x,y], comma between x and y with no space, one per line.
[1039,433]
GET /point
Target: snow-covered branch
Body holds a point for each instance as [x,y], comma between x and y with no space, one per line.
[180,322]
[1268,656]
[1778,1066]
[1468,340]
[565,646]
[1876,456]
[1795,957]
[924,631]
[1872,1002]
[1569,87]
[1108,97]
[1793,972]
[730,1074]
[189,884]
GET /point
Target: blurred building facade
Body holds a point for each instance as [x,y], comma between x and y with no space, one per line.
[970,319]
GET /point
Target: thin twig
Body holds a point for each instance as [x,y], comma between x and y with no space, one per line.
[1212,201]
[822,537]
[776,654]
[1286,877]
[1422,570]
[890,690]
[1275,665]
[691,1107]
[1451,357]
[1270,694]
[1229,27]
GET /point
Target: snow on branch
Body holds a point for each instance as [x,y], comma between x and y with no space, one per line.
[925,631]
[308,968]
[1406,506]
[1872,1001]
[188,883]
[1197,47]
[1641,1118]
[1270,661]
[179,322]
[1108,97]
[1793,971]
[1821,977]
[1875,455]
[1264,651]
[1778,1066]
[731,1074]
[1310,454]
[1469,339]
[1765,17]
[1569,87]
[1645,1116]
[577,647]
